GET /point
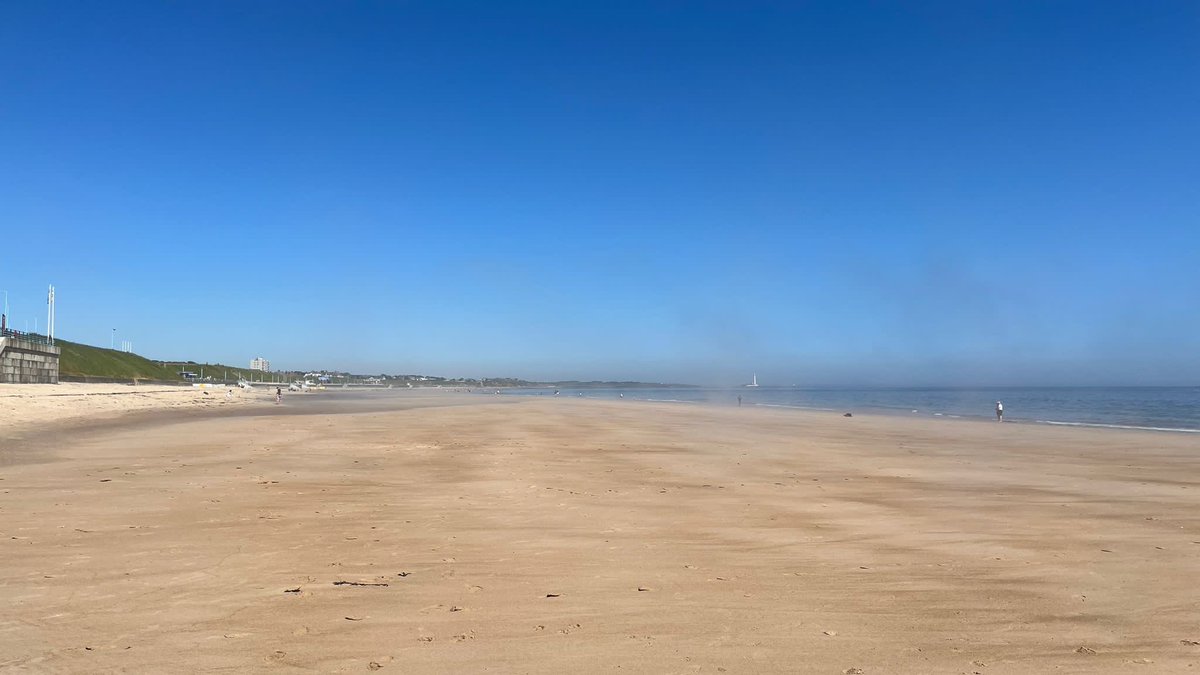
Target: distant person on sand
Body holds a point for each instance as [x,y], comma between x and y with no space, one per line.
[278,395]
[999,411]
[739,400]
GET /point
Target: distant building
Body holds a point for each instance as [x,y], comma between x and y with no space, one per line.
[260,364]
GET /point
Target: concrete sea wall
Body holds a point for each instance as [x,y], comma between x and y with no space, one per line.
[28,361]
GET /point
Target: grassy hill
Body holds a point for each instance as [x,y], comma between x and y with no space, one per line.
[80,360]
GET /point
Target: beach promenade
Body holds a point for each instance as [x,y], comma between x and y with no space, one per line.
[466,533]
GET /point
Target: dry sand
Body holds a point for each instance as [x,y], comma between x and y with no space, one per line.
[26,409]
[553,536]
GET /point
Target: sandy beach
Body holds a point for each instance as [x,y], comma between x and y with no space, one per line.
[27,409]
[466,533]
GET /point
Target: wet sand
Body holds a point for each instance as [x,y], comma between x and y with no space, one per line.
[508,535]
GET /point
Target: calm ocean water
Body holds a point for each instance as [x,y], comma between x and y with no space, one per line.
[1160,408]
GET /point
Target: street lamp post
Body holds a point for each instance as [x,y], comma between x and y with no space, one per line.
[113,342]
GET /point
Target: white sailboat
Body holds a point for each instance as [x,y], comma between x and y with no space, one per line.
[753,381]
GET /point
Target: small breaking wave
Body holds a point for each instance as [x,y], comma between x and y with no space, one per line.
[1118,426]
[793,407]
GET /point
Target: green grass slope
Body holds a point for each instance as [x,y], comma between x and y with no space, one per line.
[80,360]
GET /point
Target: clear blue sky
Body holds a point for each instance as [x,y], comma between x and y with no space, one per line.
[825,193]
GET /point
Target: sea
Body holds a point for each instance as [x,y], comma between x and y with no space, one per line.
[1175,409]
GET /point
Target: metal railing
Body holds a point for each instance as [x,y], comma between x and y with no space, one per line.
[32,337]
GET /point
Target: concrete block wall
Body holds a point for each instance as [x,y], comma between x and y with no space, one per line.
[28,362]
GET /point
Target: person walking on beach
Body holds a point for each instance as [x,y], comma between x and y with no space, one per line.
[278,394]
[999,411]
[739,400]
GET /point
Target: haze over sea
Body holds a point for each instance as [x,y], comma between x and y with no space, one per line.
[1158,408]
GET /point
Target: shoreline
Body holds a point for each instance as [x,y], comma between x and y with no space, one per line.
[186,403]
[900,413]
[726,398]
[985,419]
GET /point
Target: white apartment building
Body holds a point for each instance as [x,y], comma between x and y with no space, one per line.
[260,364]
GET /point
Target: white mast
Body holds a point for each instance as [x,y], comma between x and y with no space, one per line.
[50,314]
